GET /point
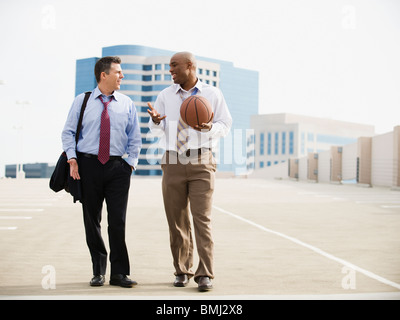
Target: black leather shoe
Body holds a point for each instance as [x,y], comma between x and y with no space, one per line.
[97,281]
[122,281]
[181,280]
[204,284]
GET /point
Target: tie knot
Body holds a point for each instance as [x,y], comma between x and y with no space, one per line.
[105,103]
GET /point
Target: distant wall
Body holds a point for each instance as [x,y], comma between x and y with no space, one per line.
[373,161]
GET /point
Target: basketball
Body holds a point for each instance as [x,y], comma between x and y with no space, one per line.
[196,110]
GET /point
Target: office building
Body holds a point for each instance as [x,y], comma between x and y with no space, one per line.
[280,137]
[146,72]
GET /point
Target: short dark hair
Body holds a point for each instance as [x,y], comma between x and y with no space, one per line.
[104,65]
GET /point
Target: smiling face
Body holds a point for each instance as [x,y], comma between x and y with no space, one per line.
[179,69]
[183,70]
[111,81]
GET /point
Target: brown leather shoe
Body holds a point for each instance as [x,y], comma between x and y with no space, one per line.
[181,280]
[204,284]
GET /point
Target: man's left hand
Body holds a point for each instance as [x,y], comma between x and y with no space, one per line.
[205,126]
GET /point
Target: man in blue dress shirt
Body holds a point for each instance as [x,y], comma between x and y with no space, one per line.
[107,179]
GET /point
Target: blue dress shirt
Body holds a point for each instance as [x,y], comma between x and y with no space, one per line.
[125,137]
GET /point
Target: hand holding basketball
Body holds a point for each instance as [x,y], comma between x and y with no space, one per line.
[196,111]
[205,126]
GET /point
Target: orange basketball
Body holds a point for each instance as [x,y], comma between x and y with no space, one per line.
[196,110]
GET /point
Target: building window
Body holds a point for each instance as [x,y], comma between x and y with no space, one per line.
[269,146]
[283,142]
[214,83]
[200,71]
[157,77]
[261,164]
[276,143]
[167,77]
[147,78]
[147,67]
[207,72]
[166,66]
[158,66]
[215,73]
[291,142]
[261,144]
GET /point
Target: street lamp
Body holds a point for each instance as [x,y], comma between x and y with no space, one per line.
[20,174]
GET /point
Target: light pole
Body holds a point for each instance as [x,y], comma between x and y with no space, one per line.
[2,82]
[20,174]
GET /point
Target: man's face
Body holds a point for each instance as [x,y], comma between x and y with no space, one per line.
[113,79]
[179,69]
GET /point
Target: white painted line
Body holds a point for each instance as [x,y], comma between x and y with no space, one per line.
[14,218]
[14,204]
[315,249]
[8,228]
[376,201]
[21,210]
[16,198]
[387,207]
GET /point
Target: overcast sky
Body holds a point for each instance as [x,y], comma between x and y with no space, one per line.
[335,59]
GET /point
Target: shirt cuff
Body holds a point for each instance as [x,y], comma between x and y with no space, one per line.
[71,154]
[132,162]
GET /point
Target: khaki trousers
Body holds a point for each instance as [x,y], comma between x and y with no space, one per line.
[189,181]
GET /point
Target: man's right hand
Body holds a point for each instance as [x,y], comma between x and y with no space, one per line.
[155,116]
[73,169]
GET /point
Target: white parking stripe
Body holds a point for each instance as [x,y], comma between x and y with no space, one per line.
[14,218]
[8,228]
[376,201]
[13,204]
[315,249]
[21,210]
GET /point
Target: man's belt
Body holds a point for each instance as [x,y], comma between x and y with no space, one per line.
[193,152]
[94,156]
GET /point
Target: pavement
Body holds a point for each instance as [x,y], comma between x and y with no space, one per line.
[274,240]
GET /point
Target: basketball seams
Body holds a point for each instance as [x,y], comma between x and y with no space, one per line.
[205,107]
[191,111]
[197,114]
[187,105]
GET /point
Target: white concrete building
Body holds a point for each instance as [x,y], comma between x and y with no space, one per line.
[280,137]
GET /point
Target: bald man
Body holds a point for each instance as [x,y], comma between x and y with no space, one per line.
[188,177]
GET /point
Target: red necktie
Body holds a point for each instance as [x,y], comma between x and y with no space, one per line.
[104,145]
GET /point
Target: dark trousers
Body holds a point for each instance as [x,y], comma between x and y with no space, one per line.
[109,182]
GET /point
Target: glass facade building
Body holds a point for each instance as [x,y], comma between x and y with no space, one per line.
[146,74]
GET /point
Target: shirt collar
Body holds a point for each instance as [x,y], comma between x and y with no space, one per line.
[198,85]
[98,93]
